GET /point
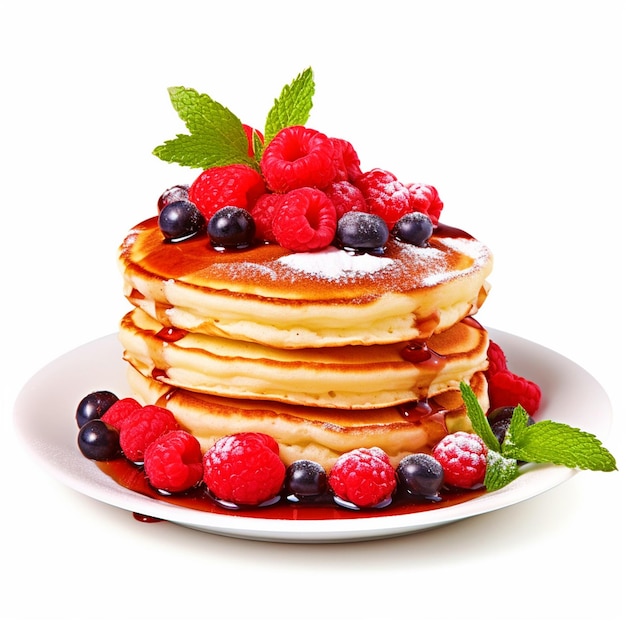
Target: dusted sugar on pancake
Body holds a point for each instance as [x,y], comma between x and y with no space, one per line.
[262,294]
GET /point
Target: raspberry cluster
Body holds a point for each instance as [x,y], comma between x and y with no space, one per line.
[507,388]
[305,182]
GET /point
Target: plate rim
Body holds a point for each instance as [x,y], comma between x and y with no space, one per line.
[62,462]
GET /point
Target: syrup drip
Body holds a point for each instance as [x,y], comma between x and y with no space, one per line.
[146,519]
[429,415]
[416,352]
[170,334]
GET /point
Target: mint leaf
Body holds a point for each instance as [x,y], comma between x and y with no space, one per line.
[216,135]
[500,471]
[292,107]
[560,444]
[519,423]
[478,419]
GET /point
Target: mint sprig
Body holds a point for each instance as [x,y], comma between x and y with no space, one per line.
[500,471]
[293,107]
[542,442]
[216,135]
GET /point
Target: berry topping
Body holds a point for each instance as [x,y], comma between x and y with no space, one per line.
[94,406]
[299,157]
[244,469]
[348,163]
[263,214]
[231,227]
[305,480]
[305,220]
[99,441]
[142,427]
[420,475]
[384,195]
[415,228]
[463,457]
[180,220]
[425,199]
[346,197]
[250,134]
[362,232]
[173,462]
[228,185]
[496,357]
[118,413]
[363,477]
[509,389]
[173,194]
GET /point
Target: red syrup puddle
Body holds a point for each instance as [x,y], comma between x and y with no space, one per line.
[132,477]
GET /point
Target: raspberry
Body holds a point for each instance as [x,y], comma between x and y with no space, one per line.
[142,427]
[305,220]
[227,185]
[117,414]
[263,212]
[346,197]
[384,195]
[299,157]
[348,163]
[364,477]
[463,457]
[173,462]
[249,130]
[497,359]
[509,389]
[244,469]
[425,199]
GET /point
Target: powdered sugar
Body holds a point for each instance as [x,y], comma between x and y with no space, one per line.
[333,263]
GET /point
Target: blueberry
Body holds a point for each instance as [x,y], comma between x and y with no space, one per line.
[99,441]
[231,227]
[362,232]
[180,220]
[500,420]
[420,474]
[415,228]
[177,192]
[305,480]
[94,406]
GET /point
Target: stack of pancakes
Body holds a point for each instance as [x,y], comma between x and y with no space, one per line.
[324,351]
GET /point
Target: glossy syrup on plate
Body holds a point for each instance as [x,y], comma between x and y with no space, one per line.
[132,477]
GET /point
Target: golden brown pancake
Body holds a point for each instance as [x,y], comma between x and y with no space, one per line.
[312,433]
[346,377]
[270,296]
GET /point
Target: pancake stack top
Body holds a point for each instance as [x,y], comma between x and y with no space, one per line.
[289,292]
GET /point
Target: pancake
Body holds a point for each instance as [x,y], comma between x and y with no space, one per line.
[270,296]
[347,377]
[316,434]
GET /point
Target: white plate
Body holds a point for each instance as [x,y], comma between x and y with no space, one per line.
[44,417]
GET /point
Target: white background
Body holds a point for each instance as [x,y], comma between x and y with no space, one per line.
[513,110]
